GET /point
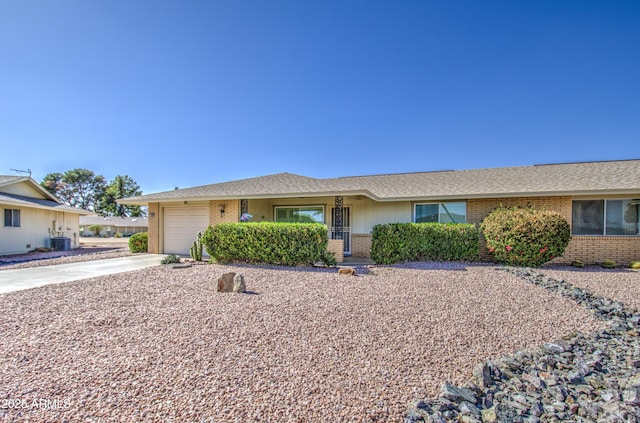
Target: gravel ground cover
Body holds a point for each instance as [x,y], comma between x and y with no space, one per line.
[617,284]
[21,261]
[582,378]
[161,345]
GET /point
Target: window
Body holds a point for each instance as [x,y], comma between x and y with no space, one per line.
[302,214]
[605,217]
[441,212]
[12,218]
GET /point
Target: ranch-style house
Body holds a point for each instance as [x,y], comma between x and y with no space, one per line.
[599,199]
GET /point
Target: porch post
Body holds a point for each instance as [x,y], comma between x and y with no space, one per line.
[338,227]
[244,206]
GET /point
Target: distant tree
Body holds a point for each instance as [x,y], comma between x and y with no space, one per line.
[96,229]
[76,188]
[53,183]
[120,187]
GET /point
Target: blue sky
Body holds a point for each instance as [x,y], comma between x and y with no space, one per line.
[184,93]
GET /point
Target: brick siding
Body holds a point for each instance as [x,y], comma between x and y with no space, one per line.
[336,246]
[231,211]
[361,245]
[595,249]
[589,249]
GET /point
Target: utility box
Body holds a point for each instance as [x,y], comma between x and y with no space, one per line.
[60,243]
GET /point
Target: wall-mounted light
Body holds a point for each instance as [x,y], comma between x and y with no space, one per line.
[221,208]
[152,214]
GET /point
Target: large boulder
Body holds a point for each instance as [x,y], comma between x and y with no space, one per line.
[231,282]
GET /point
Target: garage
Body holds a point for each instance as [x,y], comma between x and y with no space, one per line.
[181,225]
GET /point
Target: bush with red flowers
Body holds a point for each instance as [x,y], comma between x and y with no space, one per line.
[525,236]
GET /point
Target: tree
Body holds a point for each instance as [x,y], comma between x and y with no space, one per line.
[76,188]
[53,183]
[96,229]
[120,187]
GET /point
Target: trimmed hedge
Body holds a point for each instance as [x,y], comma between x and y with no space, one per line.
[399,242]
[139,243]
[289,244]
[525,236]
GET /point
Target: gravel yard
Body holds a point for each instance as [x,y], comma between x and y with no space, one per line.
[161,345]
[616,284]
[85,253]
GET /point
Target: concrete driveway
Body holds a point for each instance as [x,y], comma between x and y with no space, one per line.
[17,279]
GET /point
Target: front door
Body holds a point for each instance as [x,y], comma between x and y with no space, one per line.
[346,228]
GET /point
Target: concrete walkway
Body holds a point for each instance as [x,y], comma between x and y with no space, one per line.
[17,279]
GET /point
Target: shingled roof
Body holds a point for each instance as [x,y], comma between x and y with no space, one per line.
[586,178]
[48,200]
[9,179]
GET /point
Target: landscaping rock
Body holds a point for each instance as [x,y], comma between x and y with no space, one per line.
[178,265]
[231,282]
[482,375]
[348,271]
[593,377]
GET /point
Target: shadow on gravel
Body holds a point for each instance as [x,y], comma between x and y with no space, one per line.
[44,255]
[437,265]
[360,270]
[591,269]
[367,269]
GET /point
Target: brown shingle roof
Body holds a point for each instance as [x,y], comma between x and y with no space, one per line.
[38,203]
[9,179]
[47,201]
[621,177]
[114,221]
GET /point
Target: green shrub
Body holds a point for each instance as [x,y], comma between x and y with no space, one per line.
[138,243]
[288,244]
[577,263]
[608,264]
[399,242]
[171,258]
[328,258]
[634,265]
[118,235]
[525,236]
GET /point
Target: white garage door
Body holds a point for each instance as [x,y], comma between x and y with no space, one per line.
[181,225]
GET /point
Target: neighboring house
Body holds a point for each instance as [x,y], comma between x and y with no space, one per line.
[111,225]
[32,215]
[599,199]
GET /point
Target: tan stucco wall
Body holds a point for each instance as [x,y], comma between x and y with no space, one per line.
[365,213]
[34,231]
[156,221]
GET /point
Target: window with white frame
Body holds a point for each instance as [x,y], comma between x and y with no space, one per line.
[440,212]
[12,218]
[299,214]
[605,217]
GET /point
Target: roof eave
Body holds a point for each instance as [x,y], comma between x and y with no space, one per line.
[515,195]
[14,181]
[41,207]
[145,202]
[34,184]
[460,196]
